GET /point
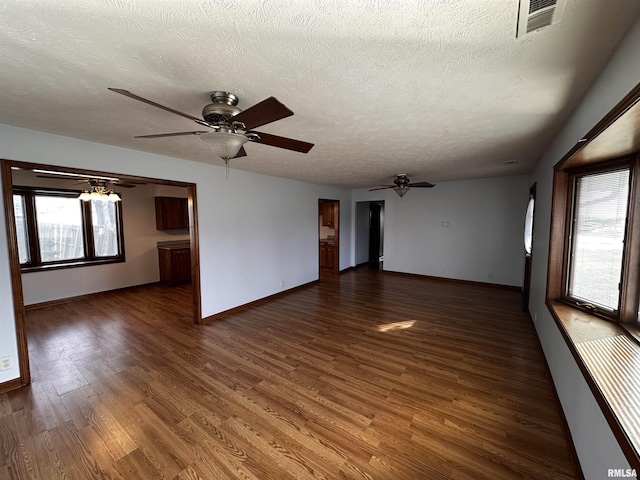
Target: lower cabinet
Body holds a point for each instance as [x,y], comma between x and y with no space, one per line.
[175,265]
[327,255]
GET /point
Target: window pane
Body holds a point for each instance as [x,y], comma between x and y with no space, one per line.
[528,227]
[21,228]
[59,228]
[105,230]
[598,234]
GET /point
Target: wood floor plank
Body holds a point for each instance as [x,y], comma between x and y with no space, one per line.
[363,376]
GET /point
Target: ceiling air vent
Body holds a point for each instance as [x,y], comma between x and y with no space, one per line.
[536,14]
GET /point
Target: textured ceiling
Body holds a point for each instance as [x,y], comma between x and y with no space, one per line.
[437,89]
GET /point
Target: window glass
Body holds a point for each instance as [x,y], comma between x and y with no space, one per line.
[59,223]
[105,229]
[600,211]
[528,227]
[21,228]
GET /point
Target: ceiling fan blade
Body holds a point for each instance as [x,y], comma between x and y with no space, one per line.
[283,142]
[127,93]
[125,185]
[55,177]
[175,134]
[421,185]
[266,111]
[382,188]
[241,153]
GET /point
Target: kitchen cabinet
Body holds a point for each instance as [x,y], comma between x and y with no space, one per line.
[172,213]
[327,255]
[326,211]
[175,265]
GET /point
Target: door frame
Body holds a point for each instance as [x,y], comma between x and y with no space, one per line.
[14,261]
[335,205]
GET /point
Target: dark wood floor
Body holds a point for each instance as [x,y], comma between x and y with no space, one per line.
[364,376]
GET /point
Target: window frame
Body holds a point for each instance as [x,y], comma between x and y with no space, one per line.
[36,264]
[628,272]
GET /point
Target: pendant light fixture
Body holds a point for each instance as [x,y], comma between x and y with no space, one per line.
[99,190]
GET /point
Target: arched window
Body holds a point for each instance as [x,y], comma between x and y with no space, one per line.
[528,226]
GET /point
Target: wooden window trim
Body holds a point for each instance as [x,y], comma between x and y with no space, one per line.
[625,311]
[35,264]
[607,144]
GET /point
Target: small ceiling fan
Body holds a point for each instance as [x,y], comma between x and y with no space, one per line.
[402,184]
[230,127]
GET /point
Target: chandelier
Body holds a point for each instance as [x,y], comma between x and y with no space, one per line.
[99,190]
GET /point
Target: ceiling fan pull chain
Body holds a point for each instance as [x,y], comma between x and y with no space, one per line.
[226,164]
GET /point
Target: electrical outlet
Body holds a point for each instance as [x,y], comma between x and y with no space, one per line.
[281,283]
[490,275]
[5,363]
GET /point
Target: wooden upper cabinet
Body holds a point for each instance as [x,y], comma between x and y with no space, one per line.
[172,213]
[326,211]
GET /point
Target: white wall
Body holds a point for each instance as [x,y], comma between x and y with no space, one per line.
[595,444]
[483,239]
[255,231]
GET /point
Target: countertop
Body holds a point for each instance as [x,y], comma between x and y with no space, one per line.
[174,244]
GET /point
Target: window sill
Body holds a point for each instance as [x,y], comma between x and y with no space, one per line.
[81,263]
[609,357]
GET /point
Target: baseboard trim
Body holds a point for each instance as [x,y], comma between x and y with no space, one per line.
[10,385]
[86,296]
[454,280]
[219,316]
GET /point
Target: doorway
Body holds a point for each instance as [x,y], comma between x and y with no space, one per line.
[376,234]
[329,236]
[14,262]
[370,234]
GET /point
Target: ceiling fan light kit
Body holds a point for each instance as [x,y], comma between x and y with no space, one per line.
[401,191]
[225,145]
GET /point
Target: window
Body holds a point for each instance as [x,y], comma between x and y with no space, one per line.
[528,226]
[597,268]
[21,228]
[59,227]
[105,228]
[56,229]
[598,224]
